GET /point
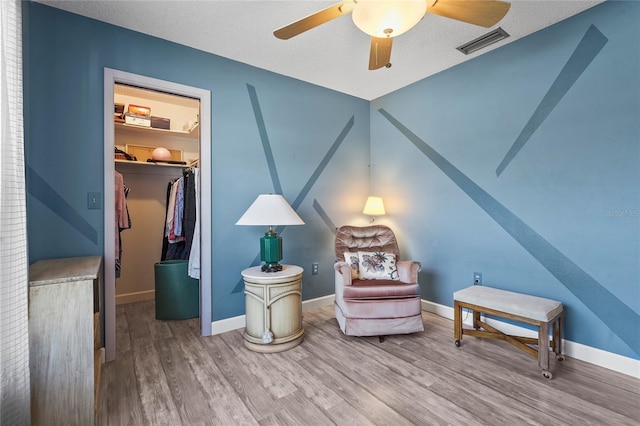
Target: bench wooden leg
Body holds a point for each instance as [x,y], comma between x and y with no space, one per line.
[557,338]
[457,322]
[543,346]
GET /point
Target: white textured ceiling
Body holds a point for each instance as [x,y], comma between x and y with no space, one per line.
[334,55]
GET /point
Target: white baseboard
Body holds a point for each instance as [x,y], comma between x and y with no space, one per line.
[319,302]
[227,324]
[139,296]
[609,360]
[234,323]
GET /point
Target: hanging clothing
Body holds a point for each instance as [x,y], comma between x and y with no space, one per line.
[179,209]
[175,209]
[174,246]
[189,219]
[182,227]
[194,254]
[165,241]
[123,220]
[171,210]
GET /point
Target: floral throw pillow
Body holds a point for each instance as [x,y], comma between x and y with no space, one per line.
[377,266]
[352,260]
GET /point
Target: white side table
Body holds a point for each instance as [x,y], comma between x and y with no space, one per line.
[273,309]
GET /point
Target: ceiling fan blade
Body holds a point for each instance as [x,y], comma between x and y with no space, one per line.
[312,21]
[485,13]
[380,54]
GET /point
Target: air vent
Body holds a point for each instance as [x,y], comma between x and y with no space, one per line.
[483,41]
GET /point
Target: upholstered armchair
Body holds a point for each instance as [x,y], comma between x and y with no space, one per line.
[376,293]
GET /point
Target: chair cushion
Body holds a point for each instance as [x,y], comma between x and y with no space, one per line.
[379,309]
[379,289]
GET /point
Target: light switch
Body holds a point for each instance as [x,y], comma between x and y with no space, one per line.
[94,200]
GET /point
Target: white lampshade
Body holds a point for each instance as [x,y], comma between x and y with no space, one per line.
[270,210]
[374,207]
[388,18]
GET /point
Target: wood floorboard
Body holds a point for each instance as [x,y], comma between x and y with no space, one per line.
[345,414]
[297,408]
[354,394]
[276,419]
[120,402]
[123,336]
[362,346]
[226,406]
[568,397]
[412,399]
[258,400]
[309,383]
[473,396]
[254,363]
[166,374]
[579,379]
[153,385]
[187,393]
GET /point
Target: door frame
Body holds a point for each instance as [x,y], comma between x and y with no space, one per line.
[111,77]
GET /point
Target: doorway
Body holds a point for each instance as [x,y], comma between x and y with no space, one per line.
[116,77]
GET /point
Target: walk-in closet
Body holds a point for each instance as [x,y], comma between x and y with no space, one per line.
[156,150]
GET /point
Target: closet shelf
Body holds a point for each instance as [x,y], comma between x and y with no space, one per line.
[147,163]
[129,128]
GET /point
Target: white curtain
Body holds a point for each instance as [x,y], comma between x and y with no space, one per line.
[14,338]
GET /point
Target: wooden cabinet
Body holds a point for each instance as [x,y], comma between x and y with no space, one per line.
[64,340]
[273,308]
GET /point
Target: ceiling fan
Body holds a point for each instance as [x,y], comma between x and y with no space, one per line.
[385,19]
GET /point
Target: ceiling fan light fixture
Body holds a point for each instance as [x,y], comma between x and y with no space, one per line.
[387,18]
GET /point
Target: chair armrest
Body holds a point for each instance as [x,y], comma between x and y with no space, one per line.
[408,271]
[343,273]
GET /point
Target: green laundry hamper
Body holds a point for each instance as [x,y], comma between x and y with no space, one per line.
[177,294]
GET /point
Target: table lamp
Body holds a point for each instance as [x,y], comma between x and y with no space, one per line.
[270,210]
[374,207]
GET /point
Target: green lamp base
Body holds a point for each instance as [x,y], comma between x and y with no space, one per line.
[272,268]
[271,251]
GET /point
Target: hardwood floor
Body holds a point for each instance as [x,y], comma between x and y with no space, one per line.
[166,374]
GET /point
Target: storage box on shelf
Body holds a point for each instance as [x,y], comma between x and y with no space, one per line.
[160,123]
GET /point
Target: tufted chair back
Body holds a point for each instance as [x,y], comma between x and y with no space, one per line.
[366,238]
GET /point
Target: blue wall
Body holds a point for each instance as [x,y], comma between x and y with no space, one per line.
[319,139]
[523,164]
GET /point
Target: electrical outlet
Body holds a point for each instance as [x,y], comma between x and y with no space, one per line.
[314,268]
[477,278]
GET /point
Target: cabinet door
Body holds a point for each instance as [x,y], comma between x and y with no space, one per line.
[61,351]
[285,310]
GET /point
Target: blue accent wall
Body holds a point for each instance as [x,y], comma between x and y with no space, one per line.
[522,163]
[270,134]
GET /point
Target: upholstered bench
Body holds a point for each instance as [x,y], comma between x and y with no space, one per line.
[537,311]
